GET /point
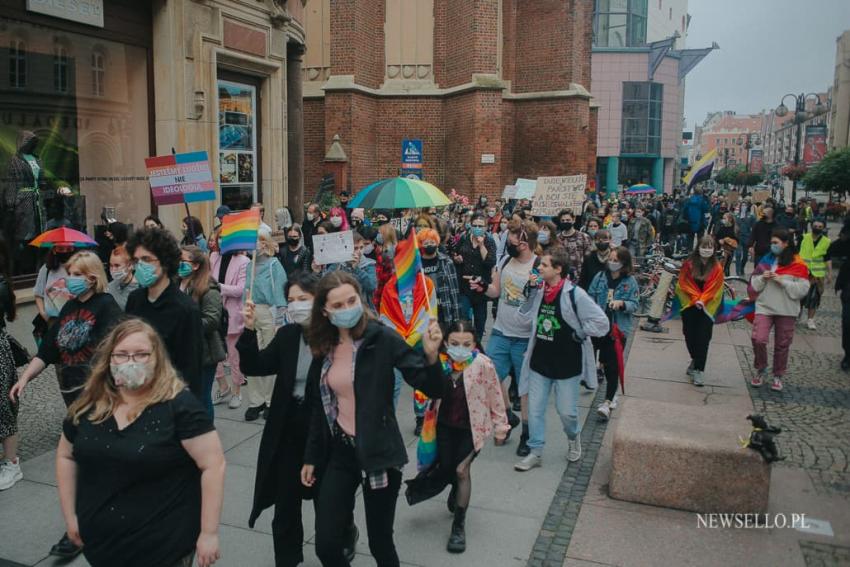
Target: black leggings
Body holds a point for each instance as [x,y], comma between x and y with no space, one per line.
[610,364]
[697,328]
[336,503]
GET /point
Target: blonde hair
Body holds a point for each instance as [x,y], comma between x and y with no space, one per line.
[100,396]
[90,265]
[267,244]
[388,233]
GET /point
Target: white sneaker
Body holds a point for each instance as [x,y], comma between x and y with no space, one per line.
[699,379]
[604,410]
[221,396]
[811,325]
[235,401]
[574,452]
[613,403]
[529,462]
[10,473]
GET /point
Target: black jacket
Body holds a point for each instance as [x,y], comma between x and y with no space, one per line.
[474,265]
[839,250]
[760,238]
[379,442]
[177,319]
[299,260]
[279,357]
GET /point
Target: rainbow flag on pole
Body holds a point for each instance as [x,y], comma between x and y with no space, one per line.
[408,265]
[239,231]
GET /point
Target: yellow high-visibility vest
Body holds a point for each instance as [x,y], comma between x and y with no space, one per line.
[813,254]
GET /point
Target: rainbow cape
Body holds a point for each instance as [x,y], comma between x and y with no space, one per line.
[718,308]
[797,268]
[239,231]
[408,264]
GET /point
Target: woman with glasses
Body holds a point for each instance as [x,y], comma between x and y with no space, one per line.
[139,467]
[160,302]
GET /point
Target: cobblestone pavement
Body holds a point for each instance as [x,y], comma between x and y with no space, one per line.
[40,415]
[813,410]
[824,554]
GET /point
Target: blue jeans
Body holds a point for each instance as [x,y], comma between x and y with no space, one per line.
[566,402]
[506,352]
[207,379]
[742,254]
[476,312]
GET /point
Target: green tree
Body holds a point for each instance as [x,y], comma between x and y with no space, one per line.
[832,173]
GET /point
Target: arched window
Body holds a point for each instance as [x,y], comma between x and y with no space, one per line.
[60,69]
[98,69]
[17,64]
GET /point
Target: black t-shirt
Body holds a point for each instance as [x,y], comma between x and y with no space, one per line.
[138,490]
[430,267]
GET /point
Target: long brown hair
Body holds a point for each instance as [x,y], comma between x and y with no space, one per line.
[323,335]
[199,282]
[100,394]
[699,268]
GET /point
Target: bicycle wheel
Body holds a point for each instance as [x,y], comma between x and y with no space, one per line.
[735,287]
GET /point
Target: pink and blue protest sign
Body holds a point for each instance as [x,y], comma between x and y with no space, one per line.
[180,178]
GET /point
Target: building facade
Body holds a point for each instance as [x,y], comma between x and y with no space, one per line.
[839,118]
[638,83]
[779,136]
[105,84]
[489,90]
[727,132]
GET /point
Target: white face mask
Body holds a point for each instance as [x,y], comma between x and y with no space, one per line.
[706,252]
[310,216]
[131,375]
[118,274]
[336,221]
[368,249]
[299,311]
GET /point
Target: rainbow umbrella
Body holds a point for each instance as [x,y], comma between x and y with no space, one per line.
[63,236]
[399,193]
[640,188]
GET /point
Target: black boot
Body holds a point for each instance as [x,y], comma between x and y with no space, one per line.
[450,503]
[351,547]
[419,421]
[523,449]
[65,548]
[457,541]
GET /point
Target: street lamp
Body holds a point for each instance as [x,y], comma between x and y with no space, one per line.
[800,116]
[749,141]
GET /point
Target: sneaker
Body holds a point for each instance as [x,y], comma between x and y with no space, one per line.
[235,401]
[586,387]
[811,325]
[574,452]
[65,548]
[253,414]
[699,379]
[613,403]
[10,473]
[604,410]
[529,462]
[758,379]
[221,396]
[523,450]
[690,370]
[776,386]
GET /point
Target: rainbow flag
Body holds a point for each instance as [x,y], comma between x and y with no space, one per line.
[408,265]
[718,308]
[426,448]
[239,231]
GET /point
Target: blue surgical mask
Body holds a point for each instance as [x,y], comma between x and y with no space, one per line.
[184,270]
[458,353]
[145,274]
[346,318]
[591,232]
[478,231]
[776,249]
[543,237]
[77,285]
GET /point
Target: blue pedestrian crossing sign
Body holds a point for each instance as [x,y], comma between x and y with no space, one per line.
[411,153]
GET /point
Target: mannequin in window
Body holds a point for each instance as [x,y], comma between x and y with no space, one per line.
[23,197]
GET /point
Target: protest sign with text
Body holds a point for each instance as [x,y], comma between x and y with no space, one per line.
[556,193]
[333,248]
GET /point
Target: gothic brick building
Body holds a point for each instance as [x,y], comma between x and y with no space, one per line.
[494,89]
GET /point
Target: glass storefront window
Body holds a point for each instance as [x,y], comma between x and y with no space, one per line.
[619,23]
[641,127]
[237,144]
[73,113]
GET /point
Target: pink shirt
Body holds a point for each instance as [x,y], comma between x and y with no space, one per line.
[341,381]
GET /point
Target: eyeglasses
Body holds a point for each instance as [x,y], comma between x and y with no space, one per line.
[122,357]
[146,260]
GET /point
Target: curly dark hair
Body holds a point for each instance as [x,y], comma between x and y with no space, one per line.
[161,244]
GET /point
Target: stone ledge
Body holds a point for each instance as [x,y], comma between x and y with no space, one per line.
[686,457]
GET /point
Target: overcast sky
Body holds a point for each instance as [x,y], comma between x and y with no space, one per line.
[767,48]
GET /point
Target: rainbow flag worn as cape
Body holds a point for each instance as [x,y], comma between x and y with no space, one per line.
[718,308]
[239,231]
[797,269]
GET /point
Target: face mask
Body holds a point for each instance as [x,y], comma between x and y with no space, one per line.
[565,226]
[817,230]
[458,353]
[503,226]
[602,246]
[776,249]
[543,237]
[615,266]
[346,318]
[293,241]
[512,250]
[429,250]
[118,275]
[706,252]
[184,270]
[146,274]
[477,231]
[299,311]
[638,215]
[592,232]
[310,216]
[491,214]
[131,375]
[616,222]
[368,249]
[390,249]
[77,285]
[336,221]
[357,222]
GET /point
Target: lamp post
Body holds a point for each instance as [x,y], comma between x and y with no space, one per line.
[800,116]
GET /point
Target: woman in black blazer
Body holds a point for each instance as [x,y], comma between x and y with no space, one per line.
[354,438]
